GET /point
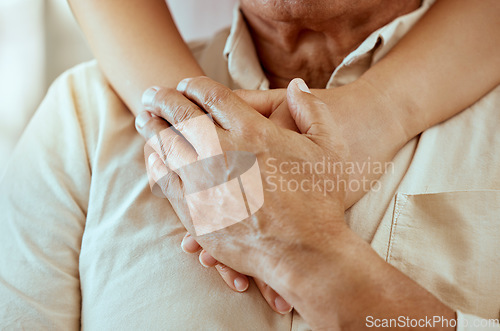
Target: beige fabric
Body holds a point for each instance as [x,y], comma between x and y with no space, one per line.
[449,157]
[79,222]
[450,191]
[446,241]
[83,240]
[467,322]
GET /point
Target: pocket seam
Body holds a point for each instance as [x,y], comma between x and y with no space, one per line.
[399,208]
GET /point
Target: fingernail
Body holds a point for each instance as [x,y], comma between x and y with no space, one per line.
[207,260]
[142,119]
[181,87]
[149,95]
[241,284]
[282,306]
[188,244]
[302,85]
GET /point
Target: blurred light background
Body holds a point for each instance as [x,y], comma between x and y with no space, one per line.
[39,39]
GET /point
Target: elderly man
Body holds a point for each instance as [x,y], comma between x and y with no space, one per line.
[85,244]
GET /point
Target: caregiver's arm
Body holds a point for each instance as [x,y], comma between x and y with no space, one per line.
[137,45]
[449,60]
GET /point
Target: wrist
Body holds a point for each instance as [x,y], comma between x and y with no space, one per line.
[373,132]
[312,280]
[379,117]
[398,104]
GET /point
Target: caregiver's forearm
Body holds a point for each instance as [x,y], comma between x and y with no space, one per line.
[449,60]
[136,44]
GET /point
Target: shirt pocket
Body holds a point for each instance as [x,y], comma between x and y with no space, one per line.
[449,243]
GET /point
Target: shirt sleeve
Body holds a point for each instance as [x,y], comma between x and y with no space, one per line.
[467,322]
[43,202]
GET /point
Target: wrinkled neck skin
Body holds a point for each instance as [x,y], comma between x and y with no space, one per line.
[310,38]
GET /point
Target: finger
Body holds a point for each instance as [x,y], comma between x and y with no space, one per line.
[155,188]
[189,245]
[227,109]
[186,117]
[154,168]
[282,118]
[275,301]
[271,104]
[173,149]
[265,102]
[170,185]
[166,180]
[236,281]
[206,259]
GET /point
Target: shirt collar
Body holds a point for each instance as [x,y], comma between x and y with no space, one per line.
[243,62]
[246,71]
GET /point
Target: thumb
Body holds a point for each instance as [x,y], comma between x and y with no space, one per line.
[312,116]
[315,119]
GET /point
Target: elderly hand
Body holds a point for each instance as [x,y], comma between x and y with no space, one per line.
[263,238]
[370,122]
[241,122]
[373,130]
[297,241]
[231,277]
[235,280]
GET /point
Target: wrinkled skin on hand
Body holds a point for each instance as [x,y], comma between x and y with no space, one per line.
[371,130]
[241,128]
[297,241]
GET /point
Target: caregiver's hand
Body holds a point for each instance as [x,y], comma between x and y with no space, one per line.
[297,242]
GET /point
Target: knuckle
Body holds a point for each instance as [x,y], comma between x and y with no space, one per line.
[169,146]
[181,112]
[214,96]
[259,133]
[223,268]
[162,97]
[167,183]
[156,131]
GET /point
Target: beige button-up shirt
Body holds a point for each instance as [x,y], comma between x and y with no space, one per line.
[84,243]
[437,216]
